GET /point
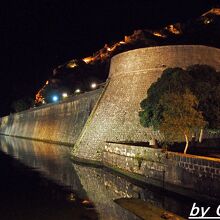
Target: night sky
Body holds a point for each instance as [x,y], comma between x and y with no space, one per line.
[38,35]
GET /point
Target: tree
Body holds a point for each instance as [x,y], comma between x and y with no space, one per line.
[181,116]
[172,80]
[202,81]
[205,86]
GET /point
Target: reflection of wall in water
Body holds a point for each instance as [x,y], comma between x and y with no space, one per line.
[51,160]
[96,184]
[103,187]
[54,162]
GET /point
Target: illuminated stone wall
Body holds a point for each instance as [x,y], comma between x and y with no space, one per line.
[131,74]
[185,174]
[115,117]
[60,122]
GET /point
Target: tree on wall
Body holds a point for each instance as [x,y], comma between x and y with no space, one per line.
[181,117]
[198,85]
[171,81]
[205,86]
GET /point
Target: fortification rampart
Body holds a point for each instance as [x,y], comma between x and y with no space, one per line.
[115,119]
[131,73]
[59,123]
[185,174]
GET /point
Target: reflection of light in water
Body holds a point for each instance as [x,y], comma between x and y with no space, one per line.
[94,186]
[53,161]
[72,197]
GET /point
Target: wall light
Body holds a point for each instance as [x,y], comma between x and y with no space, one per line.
[65,95]
[93,85]
[55,98]
[77,91]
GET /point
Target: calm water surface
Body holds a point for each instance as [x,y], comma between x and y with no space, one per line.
[39,181]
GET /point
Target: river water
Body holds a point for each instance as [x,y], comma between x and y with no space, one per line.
[40,181]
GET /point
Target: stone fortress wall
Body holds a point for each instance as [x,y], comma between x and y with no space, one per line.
[97,122]
[58,123]
[131,74]
[115,117]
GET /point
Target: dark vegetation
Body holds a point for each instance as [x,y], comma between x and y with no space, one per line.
[182,103]
[22,104]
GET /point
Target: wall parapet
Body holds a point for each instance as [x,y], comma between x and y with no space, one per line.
[178,172]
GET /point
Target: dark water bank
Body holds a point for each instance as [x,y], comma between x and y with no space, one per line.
[25,194]
[39,181]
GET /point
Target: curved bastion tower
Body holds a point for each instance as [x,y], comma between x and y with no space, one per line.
[115,116]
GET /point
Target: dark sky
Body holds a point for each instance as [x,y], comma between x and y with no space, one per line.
[38,35]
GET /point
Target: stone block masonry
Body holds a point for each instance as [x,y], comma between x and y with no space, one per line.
[131,74]
[58,123]
[185,174]
[114,119]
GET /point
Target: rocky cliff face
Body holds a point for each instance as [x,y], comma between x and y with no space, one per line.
[78,74]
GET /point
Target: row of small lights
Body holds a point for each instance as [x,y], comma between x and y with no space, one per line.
[65,95]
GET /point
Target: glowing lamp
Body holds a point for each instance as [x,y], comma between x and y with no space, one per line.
[93,85]
[77,91]
[65,95]
[55,98]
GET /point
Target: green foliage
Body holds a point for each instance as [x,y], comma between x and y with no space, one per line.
[202,81]
[172,80]
[139,159]
[180,115]
[205,87]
